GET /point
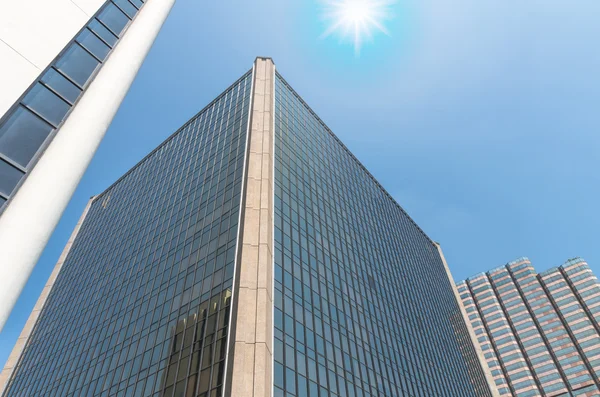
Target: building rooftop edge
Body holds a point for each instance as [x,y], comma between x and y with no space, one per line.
[173,135]
[571,261]
[369,174]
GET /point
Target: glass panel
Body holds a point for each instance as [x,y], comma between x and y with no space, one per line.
[127,7]
[60,84]
[9,177]
[137,3]
[77,63]
[22,135]
[113,18]
[2,201]
[46,104]
[104,33]
[93,44]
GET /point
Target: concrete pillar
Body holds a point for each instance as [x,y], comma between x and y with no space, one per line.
[252,335]
[15,355]
[29,220]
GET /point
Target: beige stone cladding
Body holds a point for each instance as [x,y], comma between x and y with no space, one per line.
[252,333]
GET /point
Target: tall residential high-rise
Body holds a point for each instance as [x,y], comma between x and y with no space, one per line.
[250,254]
[539,332]
[65,67]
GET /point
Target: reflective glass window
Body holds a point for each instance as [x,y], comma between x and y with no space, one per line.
[126,6]
[78,64]
[103,32]
[93,44]
[22,135]
[113,18]
[9,177]
[47,104]
[61,85]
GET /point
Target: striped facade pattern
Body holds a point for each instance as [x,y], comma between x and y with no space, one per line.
[540,333]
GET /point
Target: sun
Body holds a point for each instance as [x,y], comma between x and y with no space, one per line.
[356,20]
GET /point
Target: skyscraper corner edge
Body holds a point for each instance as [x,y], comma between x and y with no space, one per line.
[252,336]
[480,356]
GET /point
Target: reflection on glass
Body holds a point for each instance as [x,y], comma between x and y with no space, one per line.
[137,3]
[103,32]
[93,44]
[61,85]
[47,104]
[126,6]
[9,177]
[77,63]
[22,135]
[114,19]
[192,349]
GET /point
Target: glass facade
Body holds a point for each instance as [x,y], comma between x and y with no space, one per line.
[141,305]
[29,126]
[363,305]
[539,332]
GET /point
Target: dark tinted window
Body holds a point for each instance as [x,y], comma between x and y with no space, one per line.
[93,44]
[47,104]
[22,134]
[78,64]
[126,6]
[9,177]
[103,32]
[113,18]
[61,85]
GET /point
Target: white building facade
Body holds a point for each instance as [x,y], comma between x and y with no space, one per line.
[65,67]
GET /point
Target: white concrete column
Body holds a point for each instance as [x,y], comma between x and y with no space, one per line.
[484,366]
[29,220]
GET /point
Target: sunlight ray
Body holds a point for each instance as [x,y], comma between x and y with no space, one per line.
[357,20]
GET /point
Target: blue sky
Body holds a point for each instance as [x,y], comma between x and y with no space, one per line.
[481,118]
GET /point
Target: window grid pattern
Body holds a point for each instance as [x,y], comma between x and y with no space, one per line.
[141,305]
[26,130]
[551,318]
[363,305]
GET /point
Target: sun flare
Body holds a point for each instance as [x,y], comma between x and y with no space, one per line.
[356,20]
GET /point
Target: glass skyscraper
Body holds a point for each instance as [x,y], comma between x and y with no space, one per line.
[250,254]
[539,332]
